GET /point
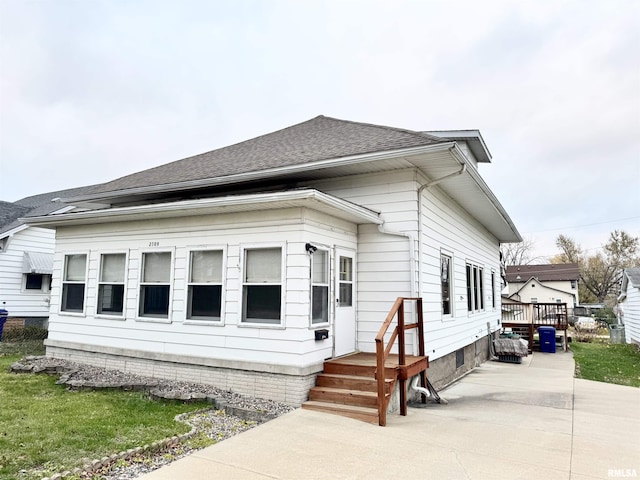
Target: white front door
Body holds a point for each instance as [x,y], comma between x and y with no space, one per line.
[344,328]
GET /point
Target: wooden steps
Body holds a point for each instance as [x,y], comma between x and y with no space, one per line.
[348,386]
[364,414]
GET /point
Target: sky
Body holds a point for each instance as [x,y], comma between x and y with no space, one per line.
[94,90]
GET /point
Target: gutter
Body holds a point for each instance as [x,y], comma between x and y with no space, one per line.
[225,203]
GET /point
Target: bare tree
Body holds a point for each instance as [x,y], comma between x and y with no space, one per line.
[600,273]
[518,253]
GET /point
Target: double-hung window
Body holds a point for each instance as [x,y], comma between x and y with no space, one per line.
[320,287]
[475,288]
[111,284]
[205,285]
[445,283]
[155,285]
[262,286]
[74,280]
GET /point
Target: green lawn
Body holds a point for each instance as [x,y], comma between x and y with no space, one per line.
[608,363]
[46,429]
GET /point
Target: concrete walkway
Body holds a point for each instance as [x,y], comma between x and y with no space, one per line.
[504,421]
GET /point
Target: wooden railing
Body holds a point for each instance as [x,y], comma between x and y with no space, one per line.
[403,371]
[525,318]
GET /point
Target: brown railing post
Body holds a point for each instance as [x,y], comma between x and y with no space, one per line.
[402,360]
[380,377]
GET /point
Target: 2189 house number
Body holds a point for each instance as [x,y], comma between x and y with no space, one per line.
[154,244]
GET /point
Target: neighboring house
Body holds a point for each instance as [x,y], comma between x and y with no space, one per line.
[552,283]
[629,304]
[26,257]
[227,267]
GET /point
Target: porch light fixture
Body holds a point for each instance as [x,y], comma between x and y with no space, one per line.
[310,248]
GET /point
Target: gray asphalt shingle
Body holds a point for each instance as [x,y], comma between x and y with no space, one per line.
[320,138]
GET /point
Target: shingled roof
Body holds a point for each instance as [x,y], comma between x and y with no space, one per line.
[543,273]
[320,138]
[35,205]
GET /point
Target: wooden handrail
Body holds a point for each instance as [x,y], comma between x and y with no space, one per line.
[382,353]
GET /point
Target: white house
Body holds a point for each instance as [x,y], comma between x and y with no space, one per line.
[221,267]
[26,258]
[629,304]
[549,283]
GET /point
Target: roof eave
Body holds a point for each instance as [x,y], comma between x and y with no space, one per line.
[230,204]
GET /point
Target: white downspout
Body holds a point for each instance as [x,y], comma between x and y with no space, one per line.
[422,390]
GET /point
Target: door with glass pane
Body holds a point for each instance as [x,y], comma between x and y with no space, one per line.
[345,304]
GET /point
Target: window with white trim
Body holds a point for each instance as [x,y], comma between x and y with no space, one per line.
[320,287]
[155,284]
[74,281]
[36,282]
[204,288]
[262,286]
[493,289]
[111,284]
[445,283]
[475,288]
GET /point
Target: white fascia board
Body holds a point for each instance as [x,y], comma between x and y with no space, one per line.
[13,231]
[263,174]
[474,137]
[229,204]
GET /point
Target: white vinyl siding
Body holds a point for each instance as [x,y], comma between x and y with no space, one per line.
[231,340]
[18,300]
[384,261]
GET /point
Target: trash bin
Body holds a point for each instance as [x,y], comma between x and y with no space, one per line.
[3,318]
[547,339]
[616,333]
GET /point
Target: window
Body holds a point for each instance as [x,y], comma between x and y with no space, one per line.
[534,300]
[493,289]
[205,285]
[262,286]
[574,284]
[345,287]
[445,283]
[320,287]
[111,284]
[35,281]
[73,283]
[155,286]
[475,288]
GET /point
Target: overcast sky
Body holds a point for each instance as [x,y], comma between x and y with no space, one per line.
[94,90]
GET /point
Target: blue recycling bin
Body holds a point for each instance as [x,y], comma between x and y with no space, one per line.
[547,339]
[3,318]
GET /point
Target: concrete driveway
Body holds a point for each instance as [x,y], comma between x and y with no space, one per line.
[503,421]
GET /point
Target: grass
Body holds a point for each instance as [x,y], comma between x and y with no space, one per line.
[604,362]
[45,428]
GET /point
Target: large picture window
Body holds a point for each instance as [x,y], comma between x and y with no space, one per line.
[73,283]
[205,285]
[262,286]
[475,288]
[155,285]
[111,284]
[445,283]
[320,287]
